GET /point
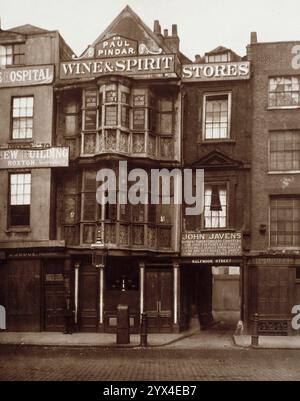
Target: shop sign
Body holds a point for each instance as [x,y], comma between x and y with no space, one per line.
[214,261]
[26,76]
[116,46]
[211,244]
[140,65]
[216,72]
[34,158]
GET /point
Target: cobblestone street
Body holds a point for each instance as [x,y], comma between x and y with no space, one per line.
[36,364]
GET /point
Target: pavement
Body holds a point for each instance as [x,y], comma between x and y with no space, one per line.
[139,365]
[192,339]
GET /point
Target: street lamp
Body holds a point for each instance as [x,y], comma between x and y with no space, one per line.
[99,251]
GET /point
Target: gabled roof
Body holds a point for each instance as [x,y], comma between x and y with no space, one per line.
[27,30]
[125,13]
[219,49]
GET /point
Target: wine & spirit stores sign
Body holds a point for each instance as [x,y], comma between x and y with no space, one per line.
[211,244]
[216,72]
[140,65]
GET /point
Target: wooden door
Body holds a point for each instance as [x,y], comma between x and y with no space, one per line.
[88,299]
[54,307]
[159,300]
[24,296]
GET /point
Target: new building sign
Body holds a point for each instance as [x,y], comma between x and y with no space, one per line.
[211,244]
[216,72]
[34,158]
[26,76]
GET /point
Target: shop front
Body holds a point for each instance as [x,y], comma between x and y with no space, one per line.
[211,279]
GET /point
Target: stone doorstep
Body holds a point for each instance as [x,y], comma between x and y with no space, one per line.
[269,342]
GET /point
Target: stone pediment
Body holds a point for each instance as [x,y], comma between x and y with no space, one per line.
[217,159]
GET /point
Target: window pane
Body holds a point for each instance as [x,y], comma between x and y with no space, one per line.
[216,117]
[284,91]
[111,115]
[22,114]
[285,222]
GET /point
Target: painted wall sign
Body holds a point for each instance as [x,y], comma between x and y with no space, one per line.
[116,46]
[211,244]
[26,76]
[33,158]
[142,65]
[216,72]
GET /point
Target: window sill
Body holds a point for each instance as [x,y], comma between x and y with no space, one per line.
[284,172]
[21,141]
[216,141]
[17,230]
[284,108]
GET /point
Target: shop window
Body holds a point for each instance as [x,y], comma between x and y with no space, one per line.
[215,202]
[298,273]
[285,221]
[217,116]
[22,117]
[20,199]
[284,92]
[285,151]
[12,55]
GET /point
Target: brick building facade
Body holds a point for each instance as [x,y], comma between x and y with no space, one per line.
[133,97]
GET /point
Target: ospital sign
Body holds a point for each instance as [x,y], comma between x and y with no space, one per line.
[26,76]
[216,72]
[34,158]
[211,244]
[140,65]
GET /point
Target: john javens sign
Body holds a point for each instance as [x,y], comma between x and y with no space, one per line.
[212,244]
[215,72]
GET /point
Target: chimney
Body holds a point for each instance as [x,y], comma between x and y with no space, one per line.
[172,41]
[197,58]
[166,33]
[253,37]
[174,30]
[157,28]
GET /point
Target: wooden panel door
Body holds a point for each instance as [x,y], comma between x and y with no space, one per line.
[24,296]
[55,307]
[88,299]
[159,300]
